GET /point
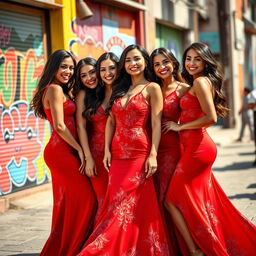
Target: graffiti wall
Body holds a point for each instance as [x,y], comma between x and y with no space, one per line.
[109,29]
[22,136]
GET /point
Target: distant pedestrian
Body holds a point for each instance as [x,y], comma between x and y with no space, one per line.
[245,116]
[73,196]
[252,105]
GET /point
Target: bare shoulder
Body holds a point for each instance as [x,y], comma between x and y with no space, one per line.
[153,87]
[182,89]
[184,86]
[202,83]
[81,95]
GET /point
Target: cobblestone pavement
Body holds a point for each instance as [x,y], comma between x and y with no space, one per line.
[25,228]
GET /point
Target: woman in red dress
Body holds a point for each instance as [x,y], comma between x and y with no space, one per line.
[94,82]
[205,217]
[166,71]
[130,221]
[73,196]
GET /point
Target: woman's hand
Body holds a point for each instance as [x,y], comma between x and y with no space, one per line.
[170,126]
[151,166]
[90,167]
[107,160]
[82,166]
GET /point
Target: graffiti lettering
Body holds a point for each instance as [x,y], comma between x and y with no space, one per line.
[19,73]
[5,36]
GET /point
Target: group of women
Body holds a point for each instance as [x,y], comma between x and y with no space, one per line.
[131,159]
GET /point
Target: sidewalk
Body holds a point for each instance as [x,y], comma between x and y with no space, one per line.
[25,227]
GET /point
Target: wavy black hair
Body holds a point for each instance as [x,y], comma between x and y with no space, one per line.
[90,98]
[100,90]
[123,80]
[169,55]
[211,71]
[50,69]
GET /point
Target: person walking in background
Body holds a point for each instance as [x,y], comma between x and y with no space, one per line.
[73,197]
[206,219]
[130,222]
[245,116]
[166,71]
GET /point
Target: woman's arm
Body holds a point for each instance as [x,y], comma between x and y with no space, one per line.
[55,98]
[202,89]
[156,103]
[109,133]
[82,134]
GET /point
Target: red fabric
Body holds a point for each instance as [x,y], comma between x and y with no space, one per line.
[96,136]
[169,152]
[73,197]
[216,226]
[130,221]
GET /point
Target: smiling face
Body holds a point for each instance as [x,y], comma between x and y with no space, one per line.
[108,71]
[88,76]
[65,71]
[194,63]
[134,62]
[163,66]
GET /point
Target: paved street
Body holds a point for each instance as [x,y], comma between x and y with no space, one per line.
[24,229]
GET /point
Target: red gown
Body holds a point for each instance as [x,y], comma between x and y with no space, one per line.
[73,197]
[130,222]
[217,227]
[96,142]
[169,152]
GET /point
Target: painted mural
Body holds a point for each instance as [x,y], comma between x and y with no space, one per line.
[22,135]
[109,29]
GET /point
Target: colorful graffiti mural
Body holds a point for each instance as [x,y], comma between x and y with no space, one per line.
[22,135]
[110,29]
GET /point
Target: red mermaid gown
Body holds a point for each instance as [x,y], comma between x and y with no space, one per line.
[130,222]
[169,153]
[73,197]
[96,142]
[217,227]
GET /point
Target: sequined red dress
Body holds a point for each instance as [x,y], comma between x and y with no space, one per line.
[216,225]
[73,196]
[130,222]
[96,136]
[169,152]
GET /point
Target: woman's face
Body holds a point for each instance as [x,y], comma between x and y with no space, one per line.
[194,64]
[163,66]
[108,71]
[65,71]
[134,62]
[88,76]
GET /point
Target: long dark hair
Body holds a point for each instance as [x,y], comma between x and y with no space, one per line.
[50,69]
[123,80]
[211,71]
[90,97]
[169,55]
[100,90]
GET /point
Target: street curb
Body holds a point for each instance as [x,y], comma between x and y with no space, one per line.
[8,201]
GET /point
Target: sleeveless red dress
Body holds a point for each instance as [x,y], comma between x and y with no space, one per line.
[130,221]
[217,227]
[168,155]
[73,197]
[96,143]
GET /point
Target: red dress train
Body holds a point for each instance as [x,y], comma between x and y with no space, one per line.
[217,227]
[73,197]
[130,222]
[169,153]
[96,135]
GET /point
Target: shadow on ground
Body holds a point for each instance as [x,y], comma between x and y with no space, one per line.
[235,166]
[252,185]
[245,195]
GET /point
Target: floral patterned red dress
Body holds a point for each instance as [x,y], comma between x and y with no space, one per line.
[73,197]
[130,222]
[169,153]
[216,225]
[96,136]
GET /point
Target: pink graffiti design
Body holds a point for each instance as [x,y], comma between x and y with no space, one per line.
[20,144]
